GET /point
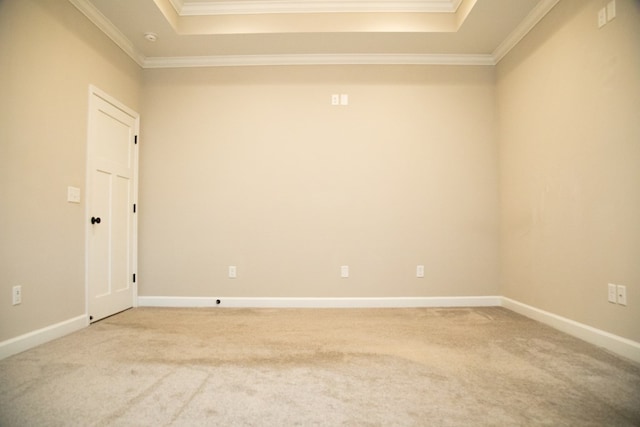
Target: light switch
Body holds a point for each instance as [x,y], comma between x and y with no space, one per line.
[73,195]
[344,99]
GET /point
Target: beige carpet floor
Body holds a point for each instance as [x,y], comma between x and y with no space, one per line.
[333,367]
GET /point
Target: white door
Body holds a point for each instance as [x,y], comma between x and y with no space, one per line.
[111,197]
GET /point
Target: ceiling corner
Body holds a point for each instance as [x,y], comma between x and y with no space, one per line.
[107,27]
[531,20]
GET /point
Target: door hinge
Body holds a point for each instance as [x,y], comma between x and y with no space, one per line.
[134,277]
[135,139]
[134,208]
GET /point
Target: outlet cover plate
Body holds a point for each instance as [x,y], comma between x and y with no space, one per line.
[602,17]
[611,10]
[17,295]
[344,271]
[612,293]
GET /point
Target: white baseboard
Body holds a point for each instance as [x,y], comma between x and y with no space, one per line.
[481,301]
[614,343]
[32,339]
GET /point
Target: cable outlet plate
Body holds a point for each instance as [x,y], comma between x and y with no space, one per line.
[622,294]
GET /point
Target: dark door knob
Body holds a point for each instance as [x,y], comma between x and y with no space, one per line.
[95,220]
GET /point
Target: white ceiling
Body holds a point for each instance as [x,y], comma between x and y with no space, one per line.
[256,32]
[213,7]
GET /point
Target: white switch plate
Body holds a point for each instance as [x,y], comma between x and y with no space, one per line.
[611,10]
[344,271]
[17,294]
[612,294]
[420,271]
[344,99]
[73,195]
[602,17]
[233,272]
[622,295]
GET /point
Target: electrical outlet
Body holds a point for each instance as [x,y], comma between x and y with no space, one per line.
[612,293]
[622,295]
[344,271]
[233,272]
[602,17]
[611,10]
[17,294]
[420,271]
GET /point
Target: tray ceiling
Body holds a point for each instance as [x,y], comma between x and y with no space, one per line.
[270,32]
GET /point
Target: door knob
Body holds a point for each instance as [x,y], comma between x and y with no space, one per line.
[95,220]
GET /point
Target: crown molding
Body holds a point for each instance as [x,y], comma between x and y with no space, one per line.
[312,59]
[530,21]
[98,19]
[226,7]
[107,27]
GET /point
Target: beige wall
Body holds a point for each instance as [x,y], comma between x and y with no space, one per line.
[253,167]
[569,113]
[49,54]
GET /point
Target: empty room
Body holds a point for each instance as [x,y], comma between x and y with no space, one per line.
[320,212]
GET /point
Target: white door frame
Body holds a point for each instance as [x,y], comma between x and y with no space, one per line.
[96,92]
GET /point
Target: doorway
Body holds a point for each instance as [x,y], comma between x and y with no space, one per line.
[112,189]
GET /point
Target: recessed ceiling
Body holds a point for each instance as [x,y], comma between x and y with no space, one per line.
[216,7]
[255,32]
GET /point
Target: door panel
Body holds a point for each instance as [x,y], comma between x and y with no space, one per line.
[99,237]
[111,191]
[120,234]
[113,142]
